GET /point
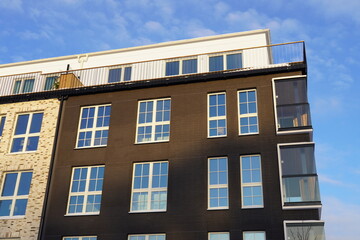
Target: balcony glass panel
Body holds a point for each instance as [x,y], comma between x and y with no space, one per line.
[298,160]
[290,116]
[306,231]
[301,189]
[291,91]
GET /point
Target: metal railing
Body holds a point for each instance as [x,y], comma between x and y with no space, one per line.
[270,56]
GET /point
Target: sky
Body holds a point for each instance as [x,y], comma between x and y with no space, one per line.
[34,29]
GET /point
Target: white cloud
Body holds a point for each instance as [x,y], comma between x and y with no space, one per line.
[154,26]
[16,5]
[220,9]
[342,219]
[327,179]
[327,105]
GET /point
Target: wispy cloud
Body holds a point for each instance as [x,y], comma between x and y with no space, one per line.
[16,5]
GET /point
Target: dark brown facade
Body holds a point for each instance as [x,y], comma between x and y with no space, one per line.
[187,153]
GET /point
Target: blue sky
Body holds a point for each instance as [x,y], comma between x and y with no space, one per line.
[32,29]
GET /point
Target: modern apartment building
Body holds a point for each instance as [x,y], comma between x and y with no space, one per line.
[207,138]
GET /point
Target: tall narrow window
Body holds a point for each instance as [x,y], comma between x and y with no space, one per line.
[225,62]
[27,132]
[292,107]
[299,178]
[2,124]
[80,238]
[153,121]
[119,74]
[251,181]
[85,190]
[248,116]
[50,83]
[305,230]
[147,237]
[218,183]
[217,115]
[149,190]
[219,236]
[254,235]
[23,86]
[15,193]
[94,126]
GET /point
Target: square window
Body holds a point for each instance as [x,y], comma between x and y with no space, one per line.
[149,190]
[247,110]
[147,237]
[86,190]
[27,132]
[93,126]
[153,124]
[254,235]
[217,115]
[15,193]
[219,236]
[251,181]
[218,196]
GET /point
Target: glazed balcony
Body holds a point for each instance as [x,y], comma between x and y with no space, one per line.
[238,60]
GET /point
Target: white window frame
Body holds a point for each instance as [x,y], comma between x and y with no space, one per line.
[22,80]
[181,70]
[248,115]
[93,129]
[224,54]
[256,184]
[14,197]
[280,178]
[148,190]
[147,236]
[122,76]
[78,237]
[26,135]
[85,193]
[214,233]
[303,221]
[245,232]
[217,186]
[2,118]
[153,123]
[217,117]
[275,108]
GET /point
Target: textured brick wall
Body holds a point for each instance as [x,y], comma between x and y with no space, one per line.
[26,228]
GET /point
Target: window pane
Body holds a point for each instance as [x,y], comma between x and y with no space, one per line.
[5,206]
[50,83]
[308,231]
[301,189]
[127,74]
[21,124]
[9,185]
[24,185]
[28,85]
[216,63]
[233,61]
[2,124]
[219,236]
[114,75]
[17,87]
[17,145]
[32,144]
[254,235]
[297,159]
[172,68]
[36,122]
[189,66]
[20,207]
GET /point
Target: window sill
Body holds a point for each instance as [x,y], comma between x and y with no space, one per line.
[252,207]
[26,152]
[11,217]
[295,131]
[148,211]
[100,146]
[222,136]
[248,134]
[164,141]
[217,209]
[82,214]
[318,206]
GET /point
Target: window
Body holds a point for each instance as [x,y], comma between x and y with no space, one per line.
[248,117]
[299,178]
[147,237]
[254,236]
[50,83]
[218,183]
[23,86]
[219,236]
[94,126]
[149,187]
[119,74]
[230,61]
[251,183]
[15,193]
[85,190]
[217,115]
[80,238]
[305,230]
[27,132]
[153,121]
[187,66]
[2,124]
[292,107]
